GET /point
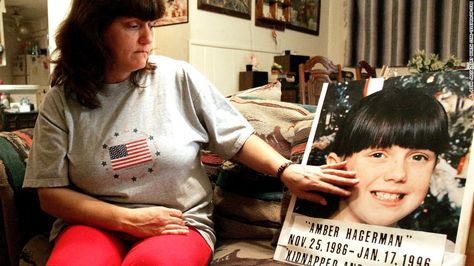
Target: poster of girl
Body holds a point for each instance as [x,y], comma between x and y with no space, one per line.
[409,145]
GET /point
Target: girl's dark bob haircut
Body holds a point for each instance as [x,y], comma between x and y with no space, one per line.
[408,118]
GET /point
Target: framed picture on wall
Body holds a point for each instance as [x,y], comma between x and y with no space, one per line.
[236,8]
[176,13]
[305,16]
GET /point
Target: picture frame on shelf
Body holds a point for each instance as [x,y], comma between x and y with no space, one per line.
[176,13]
[305,16]
[235,8]
[266,9]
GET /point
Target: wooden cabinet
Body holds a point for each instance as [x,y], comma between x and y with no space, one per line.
[290,63]
[17,120]
[252,79]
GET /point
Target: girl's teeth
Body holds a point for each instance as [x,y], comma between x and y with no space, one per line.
[387,196]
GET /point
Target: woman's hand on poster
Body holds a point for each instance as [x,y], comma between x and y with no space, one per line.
[305,181]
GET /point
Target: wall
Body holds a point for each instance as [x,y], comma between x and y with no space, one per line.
[335,25]
[57,11]
[220,46]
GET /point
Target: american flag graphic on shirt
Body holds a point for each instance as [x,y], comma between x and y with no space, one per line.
[129,154]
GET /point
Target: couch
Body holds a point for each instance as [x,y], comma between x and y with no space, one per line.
[249,207]
[247,204]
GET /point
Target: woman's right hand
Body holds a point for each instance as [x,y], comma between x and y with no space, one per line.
[79,208]
[152,221]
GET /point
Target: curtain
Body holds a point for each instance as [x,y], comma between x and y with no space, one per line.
[389,32]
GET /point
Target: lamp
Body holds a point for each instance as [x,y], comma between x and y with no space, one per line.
[16,16]
[21,29]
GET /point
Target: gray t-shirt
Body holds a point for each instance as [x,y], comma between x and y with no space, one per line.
[141,148]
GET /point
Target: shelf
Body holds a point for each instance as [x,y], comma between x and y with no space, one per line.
[19,88]
[271,18]
[270,23]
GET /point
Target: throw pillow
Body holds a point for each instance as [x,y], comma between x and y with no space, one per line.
[270,91]
[212,164]
[274,122]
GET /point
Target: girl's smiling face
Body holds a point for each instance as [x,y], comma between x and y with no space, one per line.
[393,182]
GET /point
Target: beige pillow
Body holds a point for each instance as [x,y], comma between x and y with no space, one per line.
[239,187]
[274,121]
[270,91]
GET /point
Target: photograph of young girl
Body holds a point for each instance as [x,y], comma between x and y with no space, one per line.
[409,146]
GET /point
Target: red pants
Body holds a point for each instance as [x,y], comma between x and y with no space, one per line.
[83,245]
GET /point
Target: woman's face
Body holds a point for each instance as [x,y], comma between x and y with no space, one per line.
[393,182]
[129,41]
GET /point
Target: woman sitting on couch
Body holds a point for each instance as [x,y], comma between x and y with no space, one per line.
[116,150]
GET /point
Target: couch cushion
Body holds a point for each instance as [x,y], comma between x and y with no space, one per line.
[244,252]
[242,216]
[36,251]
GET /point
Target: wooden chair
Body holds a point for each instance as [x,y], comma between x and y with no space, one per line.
[369,70]
[312,74]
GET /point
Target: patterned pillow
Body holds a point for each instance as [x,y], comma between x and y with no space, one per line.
[274,121]
[212,164]
[15,147]
[270,91]
[244,198]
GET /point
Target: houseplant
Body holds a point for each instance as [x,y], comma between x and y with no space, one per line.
[422,62]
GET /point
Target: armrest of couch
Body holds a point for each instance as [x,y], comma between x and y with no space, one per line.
[21,215]
[10,241]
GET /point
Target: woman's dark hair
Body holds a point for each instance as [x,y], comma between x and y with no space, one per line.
[81,53]
[408,118]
